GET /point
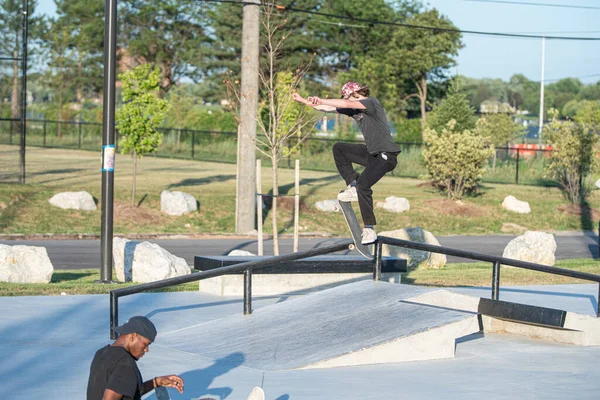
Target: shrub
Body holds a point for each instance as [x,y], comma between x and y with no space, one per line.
[574,155]
[456,159]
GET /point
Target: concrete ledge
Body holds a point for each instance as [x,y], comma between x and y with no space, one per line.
[278,284]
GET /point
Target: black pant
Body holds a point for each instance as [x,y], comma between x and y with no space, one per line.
[376,166]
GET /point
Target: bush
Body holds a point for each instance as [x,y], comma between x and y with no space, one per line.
[575,152]
[456,159]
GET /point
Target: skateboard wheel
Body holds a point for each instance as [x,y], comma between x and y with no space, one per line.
[352,246]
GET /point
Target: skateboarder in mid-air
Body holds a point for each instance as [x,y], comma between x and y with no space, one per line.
[377,155]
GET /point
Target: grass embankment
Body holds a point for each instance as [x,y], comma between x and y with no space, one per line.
[463,274]
[24,209]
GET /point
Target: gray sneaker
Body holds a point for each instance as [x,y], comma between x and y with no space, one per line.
[368,236]
[348,194]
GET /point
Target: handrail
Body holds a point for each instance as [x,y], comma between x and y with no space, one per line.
[246,267]
[495,260]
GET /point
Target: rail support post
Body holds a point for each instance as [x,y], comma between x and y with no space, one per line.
[378,261]
[114,315]
[496,281]
[248,292]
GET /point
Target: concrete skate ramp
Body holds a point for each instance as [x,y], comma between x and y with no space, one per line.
[361,323]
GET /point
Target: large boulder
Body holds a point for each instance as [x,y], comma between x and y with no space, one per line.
[535,247]
[177,203]
[25,264]
[74,200]
[145,262]
[511,203]
[394,204]
[238,252]
[414,258]
[327,205]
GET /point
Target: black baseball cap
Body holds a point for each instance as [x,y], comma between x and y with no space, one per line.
[140,325]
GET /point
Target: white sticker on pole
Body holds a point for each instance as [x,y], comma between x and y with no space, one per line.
[108,158]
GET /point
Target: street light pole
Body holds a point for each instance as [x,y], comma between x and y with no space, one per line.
[542,90]
[108,139]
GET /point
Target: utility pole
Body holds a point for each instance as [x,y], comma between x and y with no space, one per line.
[246,156]
[108,140]
[542,91]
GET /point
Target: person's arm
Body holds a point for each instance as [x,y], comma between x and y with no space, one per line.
[306,102]
[337,103]
[173,381]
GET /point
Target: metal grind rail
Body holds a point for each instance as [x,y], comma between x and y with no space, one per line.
[246,268]
[495,260]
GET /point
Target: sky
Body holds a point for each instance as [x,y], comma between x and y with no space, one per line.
[496,57]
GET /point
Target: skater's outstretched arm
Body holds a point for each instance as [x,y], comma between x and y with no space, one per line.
[307,102]
[337,103]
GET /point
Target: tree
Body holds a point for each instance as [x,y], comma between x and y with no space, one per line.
[83,22]
[169,34]
[142,112]
[575,151]
[280,118]
[11,29]
[456,159]
[500,128]
[454,107]
[423,55]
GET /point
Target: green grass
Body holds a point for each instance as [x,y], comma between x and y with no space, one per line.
[73,282]
[76,282]
[24,209]
[480,274]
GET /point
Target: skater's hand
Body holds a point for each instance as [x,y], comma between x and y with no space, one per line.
[299,98]
[173,381]
[315,101]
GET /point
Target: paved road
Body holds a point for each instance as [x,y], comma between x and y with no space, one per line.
[85,254]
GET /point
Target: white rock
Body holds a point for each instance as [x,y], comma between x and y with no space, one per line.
[512,204]
[177,203]
[535,247]
[394,204]
[25,264]
[597,184]
[237,252]
[326,205]
[73,200]
[414,258]
[145,262]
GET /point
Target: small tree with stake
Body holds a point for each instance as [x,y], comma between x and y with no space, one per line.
[141,114]
[280,118]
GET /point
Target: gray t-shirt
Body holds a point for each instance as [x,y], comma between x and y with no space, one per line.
[373,124]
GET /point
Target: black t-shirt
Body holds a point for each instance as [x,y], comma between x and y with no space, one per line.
[373,124]
[115,369]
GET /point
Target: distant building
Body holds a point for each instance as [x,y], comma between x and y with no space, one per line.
[496,107]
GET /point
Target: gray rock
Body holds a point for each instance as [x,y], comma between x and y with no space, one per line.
[177,203]
[237,252]
[145,262]
[25,264]
[414,258]
[394,204]
[74,200]
[535,247]
[512,204]
[326,205]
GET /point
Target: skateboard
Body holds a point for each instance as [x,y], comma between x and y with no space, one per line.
[257,394]
[355,230]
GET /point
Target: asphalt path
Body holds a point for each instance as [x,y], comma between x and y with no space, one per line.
[85,254]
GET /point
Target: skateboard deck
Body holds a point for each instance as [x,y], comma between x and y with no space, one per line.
[355,229]
[257,394]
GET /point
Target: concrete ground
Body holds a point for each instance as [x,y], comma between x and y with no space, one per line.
[47,343]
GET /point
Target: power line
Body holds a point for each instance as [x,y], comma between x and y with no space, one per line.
[411,26]
[526,3]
